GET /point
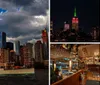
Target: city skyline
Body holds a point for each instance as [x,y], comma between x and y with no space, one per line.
[24,20]
[87,12]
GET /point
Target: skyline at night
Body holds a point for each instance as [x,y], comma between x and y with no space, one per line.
[87,12]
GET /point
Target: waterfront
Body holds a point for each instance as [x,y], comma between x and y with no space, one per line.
[18,71]
[39,78]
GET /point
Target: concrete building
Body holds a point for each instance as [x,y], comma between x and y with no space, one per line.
[26,52]
[12,58]
[38,52]
[4,56]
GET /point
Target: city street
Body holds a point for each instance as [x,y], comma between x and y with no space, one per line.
[40,78]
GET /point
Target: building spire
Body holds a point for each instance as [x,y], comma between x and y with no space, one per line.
[75,12]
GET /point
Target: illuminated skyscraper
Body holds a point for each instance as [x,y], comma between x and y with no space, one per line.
[95,33]
[66,26]
[75,21]
[44,36]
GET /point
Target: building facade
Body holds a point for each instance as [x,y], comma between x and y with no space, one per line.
[17,47]
[38,52]
[45,44]
[4,56]
[2,40]
[9,45]
[26,52]
[95,33]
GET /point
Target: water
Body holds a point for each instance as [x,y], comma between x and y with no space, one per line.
[39,78]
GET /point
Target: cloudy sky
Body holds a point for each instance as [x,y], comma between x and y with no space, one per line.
[26,23]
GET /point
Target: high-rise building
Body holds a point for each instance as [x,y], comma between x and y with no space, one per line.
[9,45]
[12,58]
[45,44]
[66,26]
[95,33]
[44,36]
[17,47]
[75,21]
[26,52]
[38,52]
[2,40]
[4,56]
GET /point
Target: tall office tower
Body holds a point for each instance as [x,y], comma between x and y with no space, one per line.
[95,33]
[2,40]
[45,44]
[75,21]
[38,52]
[66,26]
[9,45]
[17,47]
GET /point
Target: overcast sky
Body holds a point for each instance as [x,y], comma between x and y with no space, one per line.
[24,24]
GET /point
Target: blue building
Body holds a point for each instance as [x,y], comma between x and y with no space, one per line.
[2,40]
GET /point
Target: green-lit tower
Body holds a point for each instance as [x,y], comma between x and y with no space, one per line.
[75,21]
[75,14]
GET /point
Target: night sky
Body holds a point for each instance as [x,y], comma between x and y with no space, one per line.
[87,12]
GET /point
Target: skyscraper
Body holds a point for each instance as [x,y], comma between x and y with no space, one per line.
[66,26]
[17,47]
[26,52]
[45,44]
[95,33]
[38,52]
[2,40]
[9,45]
[75,21]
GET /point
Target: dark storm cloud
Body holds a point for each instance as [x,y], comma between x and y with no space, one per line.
[34,7]
[21,2]
[26,24]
